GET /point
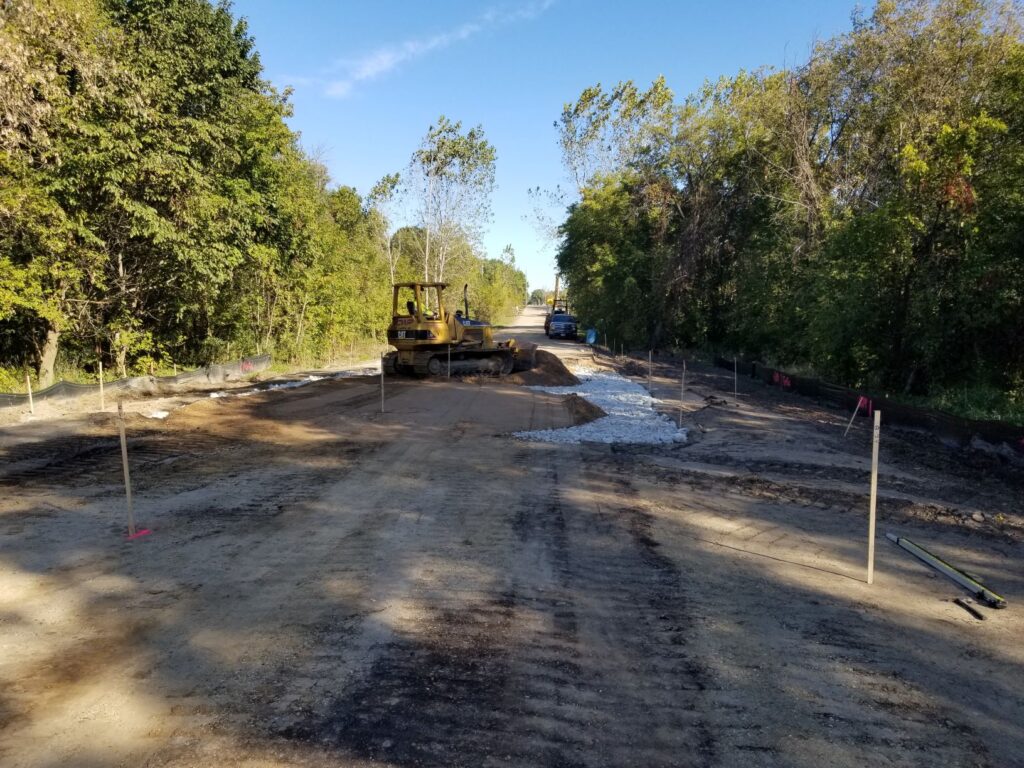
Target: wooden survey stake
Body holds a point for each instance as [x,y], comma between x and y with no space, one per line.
[682,394]
[127,475]
[874,496]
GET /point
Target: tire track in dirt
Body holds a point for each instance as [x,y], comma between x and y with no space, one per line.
[818,494]
[81,460]
[98,459]
[856,687]
[576,657]
[336,638]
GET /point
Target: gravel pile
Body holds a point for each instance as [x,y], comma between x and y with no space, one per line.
[631,416]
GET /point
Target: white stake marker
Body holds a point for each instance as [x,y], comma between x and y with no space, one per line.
[874,496]
[382,382]
[103,404]
[31,405]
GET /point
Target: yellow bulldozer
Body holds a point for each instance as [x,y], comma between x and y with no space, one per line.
[432,340]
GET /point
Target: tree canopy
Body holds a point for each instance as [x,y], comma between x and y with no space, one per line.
[155,206]
[860,215]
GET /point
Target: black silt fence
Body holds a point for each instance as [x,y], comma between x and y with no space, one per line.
[212,374]
[946,425]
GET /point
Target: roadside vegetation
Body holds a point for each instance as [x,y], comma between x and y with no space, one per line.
[156,210]
[860,216]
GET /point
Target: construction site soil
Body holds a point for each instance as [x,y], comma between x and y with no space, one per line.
[549,371]
[325,584]
[582,411]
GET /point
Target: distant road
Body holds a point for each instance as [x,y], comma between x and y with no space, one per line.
[529,326]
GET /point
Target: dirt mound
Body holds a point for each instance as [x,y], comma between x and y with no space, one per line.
[583,411]
[634,368]
[548,372]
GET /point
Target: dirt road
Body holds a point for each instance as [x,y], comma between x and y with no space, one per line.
[328,585]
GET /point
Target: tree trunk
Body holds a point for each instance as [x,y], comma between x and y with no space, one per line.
[271,306]
[391,261]
[426,258]
[426,226]
[121,356]
[298,332]
[48,356]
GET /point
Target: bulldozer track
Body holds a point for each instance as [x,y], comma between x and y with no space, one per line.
[92,459]
[505,656]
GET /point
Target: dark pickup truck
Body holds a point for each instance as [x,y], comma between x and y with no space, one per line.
[562,326]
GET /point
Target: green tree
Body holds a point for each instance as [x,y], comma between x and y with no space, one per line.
[859,214]
[155,204]
[452,177]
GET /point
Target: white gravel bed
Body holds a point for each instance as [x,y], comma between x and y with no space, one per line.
[631,416]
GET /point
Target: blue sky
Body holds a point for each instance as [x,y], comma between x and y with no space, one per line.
[369,78]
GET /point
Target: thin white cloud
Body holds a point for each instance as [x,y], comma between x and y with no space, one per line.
[385,59]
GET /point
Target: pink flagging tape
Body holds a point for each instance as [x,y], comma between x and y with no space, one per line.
[138,534]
